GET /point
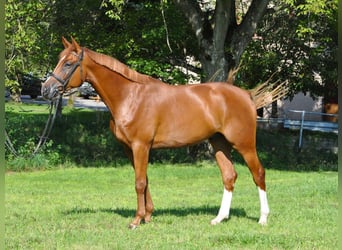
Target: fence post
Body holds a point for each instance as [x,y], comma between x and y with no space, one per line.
[301,130]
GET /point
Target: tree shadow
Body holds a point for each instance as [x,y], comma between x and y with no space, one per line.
[179,212]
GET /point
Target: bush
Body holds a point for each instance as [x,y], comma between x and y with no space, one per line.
[279,150]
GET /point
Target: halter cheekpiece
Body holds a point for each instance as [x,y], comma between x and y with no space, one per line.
[71,72]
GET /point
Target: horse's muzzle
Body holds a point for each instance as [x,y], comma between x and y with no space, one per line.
[51,91]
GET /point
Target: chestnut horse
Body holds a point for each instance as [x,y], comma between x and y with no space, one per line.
[147,113]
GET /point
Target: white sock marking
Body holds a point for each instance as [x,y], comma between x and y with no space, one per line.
[225,207]
[264,209]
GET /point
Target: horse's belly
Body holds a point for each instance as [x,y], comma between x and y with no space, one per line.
[182,135]
[176,142]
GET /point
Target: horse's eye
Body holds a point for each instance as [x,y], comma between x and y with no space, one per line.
[67,64]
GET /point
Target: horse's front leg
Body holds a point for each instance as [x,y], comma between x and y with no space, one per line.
[144,201]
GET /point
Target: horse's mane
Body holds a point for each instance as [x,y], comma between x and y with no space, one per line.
[120,68]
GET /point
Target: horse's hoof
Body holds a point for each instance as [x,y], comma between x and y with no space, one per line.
[132,226]
[263,220]
[218,219]
[214,222]
[147,221]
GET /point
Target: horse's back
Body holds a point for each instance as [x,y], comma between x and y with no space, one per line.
[225,100]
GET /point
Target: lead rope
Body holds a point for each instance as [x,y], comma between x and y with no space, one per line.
[46,132]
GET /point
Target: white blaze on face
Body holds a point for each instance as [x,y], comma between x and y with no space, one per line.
[60,61]
[225,207]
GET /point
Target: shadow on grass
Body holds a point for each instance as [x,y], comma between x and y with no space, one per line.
[180,212]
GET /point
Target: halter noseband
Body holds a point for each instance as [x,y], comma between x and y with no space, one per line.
[71,72]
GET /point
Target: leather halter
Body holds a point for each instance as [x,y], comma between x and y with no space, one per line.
[71,72]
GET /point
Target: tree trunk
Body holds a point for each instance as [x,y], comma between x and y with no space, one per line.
[215,68]
[221,39]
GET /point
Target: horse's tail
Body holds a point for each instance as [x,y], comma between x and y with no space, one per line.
[267,93]
[232,73]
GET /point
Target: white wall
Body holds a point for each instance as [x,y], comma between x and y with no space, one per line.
[299,102]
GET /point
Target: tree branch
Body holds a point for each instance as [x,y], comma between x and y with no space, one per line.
[244,32]
[254,14]
[223,18]
[193,12]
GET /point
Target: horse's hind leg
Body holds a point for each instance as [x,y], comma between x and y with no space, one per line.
[222,149]
[251,158]
[149,207]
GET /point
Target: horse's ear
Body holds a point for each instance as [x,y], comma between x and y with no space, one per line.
[65,42]
[75,44]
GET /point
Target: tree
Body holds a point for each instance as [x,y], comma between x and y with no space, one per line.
[33,31]
[155,38]
[25,23]
[297,39]
[152,38]
[222,35]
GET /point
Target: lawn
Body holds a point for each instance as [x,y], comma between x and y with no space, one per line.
[90,208]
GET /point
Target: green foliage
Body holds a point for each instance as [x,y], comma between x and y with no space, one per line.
[141,40]
[114,8]
[297,39]
[33,31]
[158,70]
[26,39]
[132,32]
[279,150]
[24,124]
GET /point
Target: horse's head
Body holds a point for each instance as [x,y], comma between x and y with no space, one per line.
[68,72]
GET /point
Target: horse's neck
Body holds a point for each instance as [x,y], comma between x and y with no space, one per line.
[117,84]
[116,66]
[113,88]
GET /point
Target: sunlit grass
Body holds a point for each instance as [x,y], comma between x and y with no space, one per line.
[79,208]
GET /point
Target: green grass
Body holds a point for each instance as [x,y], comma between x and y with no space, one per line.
[90,208]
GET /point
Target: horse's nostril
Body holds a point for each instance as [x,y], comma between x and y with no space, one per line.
[45,91]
